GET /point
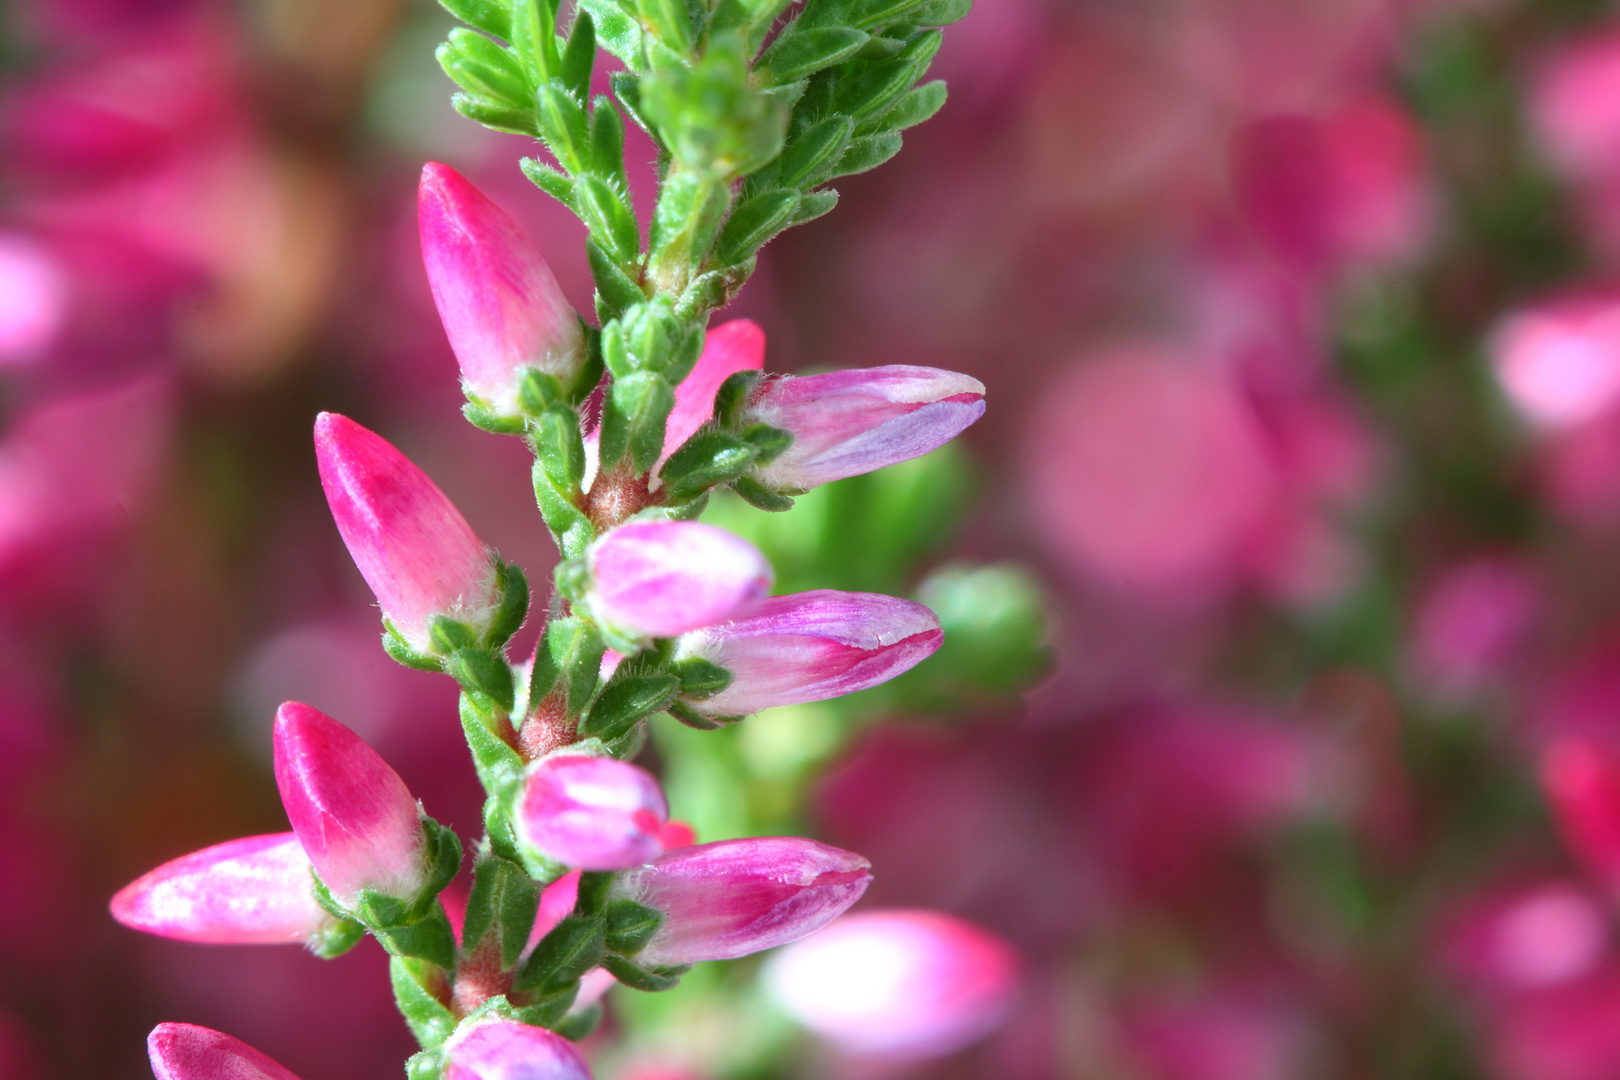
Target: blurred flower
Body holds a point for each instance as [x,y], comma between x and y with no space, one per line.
[1471,622]
[1581,781]
[1573,107]
[1559,361]
[33,299]
[905,984]
[1524,935]
[1222,1034]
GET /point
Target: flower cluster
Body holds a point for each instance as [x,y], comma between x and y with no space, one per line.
[581,876]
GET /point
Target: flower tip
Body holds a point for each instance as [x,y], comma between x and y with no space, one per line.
[192,1052]
[504,1050]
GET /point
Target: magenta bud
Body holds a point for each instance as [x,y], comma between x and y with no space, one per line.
[356,819]
[812,646]
[500,304]
[253,891]
[731,347]
[845,423]
[412,545]
[506,1050]
[593,813]
[907,984]
[662,578]
[736,897]
[189,1052]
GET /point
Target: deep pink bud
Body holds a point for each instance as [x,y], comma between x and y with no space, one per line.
[898,983]
[1582,783]
[663,578]
[735,346]
[506,1050]
[412,546]
[356,819]
[500,304]
[736,897]
[812,646]
[845,423]
[594,813]
[189,1052]
[253,891]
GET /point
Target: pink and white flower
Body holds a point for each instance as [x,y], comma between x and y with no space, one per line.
[663,578]
[190,1052]
[812,646]
[593,813]
[506,1050]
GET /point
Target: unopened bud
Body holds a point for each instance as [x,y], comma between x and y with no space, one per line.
[594,813]
[663,578]
[190,1052]
[506,1050]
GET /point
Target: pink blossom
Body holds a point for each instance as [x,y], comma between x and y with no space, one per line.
[735,897]
[189,1052]
[731,347]
[909,984]
[1347,187]
[353,814]
[500,303]
[1568,1031]
[812,646]
[594,813]
[1524,935]
[1473,620]
[1559,361]
[507,1050]
[253,891]
[1582,783]
[1148,471]
[676,834]
[663,578]
[845,423]
[411,544]
[1575,107]
[33,299]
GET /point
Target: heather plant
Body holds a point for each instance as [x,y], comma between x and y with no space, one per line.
[634,422]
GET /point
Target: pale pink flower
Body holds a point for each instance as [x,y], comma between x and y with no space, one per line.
[190,1052]
[663,578]
[33,299]
[1471,621]
[731,347]
[1559,361]
[506,1050]
[594,813]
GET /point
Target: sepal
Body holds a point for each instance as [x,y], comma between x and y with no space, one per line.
[578,1025]
[572,948]
[648,980]
[400,651]
[503,902]
[420,991]
[500,767]
[627,698]
[629,926]
[761,497]
[336,938]
[569,658]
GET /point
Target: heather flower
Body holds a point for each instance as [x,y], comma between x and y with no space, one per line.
[190,1052]
[594,813]
[501,306]
[735,897]
[906,984]
[1582,783]
[253,891]
[1559,361]
[845,423]
[412,546]
[504,1050]
[662,578]
[353,814]
[812,646]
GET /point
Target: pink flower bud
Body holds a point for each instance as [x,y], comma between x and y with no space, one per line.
[506,1050]
[735,346]
[845,423]
[353,814]
[33,300]
[594,813]
[1582,783]
[663,578]
[253,891]
[501,307]
[736,897]
[1575,107]
[412,546]
[909,984]
[812,646]
[189,1052]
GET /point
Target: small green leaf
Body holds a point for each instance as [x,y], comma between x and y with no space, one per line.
[637,977]
[607,141]
[625,700]
[917,106]
[569,950]
[574,69]
[814,205]
[549,180]
[417,990]
[484,671]
[503,900]
[604,212]
[753,223]
[336,938]
[868,152]
[617,30]
[578,1025]
[564,126]
[671,21]
[798,52]
[496,116]
[939,12]
[559,447]
[700,678]
[811,153]
[569,526]
[488,15]
[534,38]
[429,939]
[630,925]
[499,766]
[757,494]
[513,589]
[616,292]
[706,459]
[633,415]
